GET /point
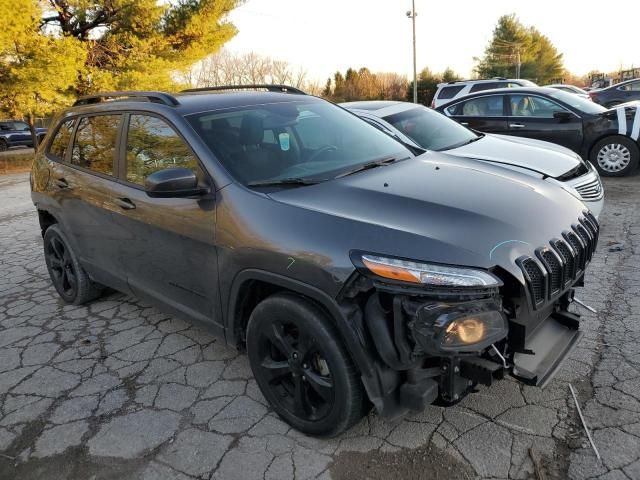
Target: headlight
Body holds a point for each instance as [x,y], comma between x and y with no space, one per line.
[473,330]
[428,274]
[466,326]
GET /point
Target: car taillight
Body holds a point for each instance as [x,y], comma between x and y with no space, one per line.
[433,103]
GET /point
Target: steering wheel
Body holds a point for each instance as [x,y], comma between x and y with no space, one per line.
[321,151]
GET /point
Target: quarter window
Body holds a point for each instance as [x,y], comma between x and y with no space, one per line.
[531,106]
[479,87]
[95,143]
[449,92]
[60,143]
[153,145]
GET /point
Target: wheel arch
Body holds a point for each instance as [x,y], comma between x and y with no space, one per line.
[593,143]
[46,219]
[252,286]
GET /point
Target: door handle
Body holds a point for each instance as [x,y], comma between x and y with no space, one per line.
[466,124]
[62,183]
[516,125]
[125,203]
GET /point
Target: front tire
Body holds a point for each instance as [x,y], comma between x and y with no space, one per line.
[67,275]
[615,156]
[4,146]
[302,367]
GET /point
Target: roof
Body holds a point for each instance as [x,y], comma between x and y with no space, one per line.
[194,102]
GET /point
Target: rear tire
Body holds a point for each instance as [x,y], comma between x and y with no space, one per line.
[67,275]
[4,146]
[615,156]
[302,367]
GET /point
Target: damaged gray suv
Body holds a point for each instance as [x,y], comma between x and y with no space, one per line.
[352,271]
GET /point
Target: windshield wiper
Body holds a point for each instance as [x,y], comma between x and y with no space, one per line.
[369,165]
[284,181]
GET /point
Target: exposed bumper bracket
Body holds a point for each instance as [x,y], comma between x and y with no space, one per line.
[551,343]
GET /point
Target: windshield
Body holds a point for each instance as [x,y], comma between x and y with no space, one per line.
[430,129]
[302,139]
[579,103]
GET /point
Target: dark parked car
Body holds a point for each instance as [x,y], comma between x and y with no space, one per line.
[622,92]
[16,133]
[609,138]
[352,271]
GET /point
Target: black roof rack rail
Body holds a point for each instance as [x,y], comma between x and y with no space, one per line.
[269,87]
[155,97]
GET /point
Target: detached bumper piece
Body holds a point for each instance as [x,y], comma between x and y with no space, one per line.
[546,348]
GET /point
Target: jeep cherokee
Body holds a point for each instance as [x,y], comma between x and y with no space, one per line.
[352,271]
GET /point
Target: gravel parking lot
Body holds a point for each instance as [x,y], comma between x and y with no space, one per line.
[119,390]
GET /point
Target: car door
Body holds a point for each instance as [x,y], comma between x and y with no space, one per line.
[538,117]
[83,172]
[167,244]
[485,113]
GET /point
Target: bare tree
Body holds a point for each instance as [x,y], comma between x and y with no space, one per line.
[226,68]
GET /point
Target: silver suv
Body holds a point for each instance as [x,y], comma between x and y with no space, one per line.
[450,90]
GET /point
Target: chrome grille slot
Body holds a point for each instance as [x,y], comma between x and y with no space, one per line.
[578,247]
[591,190]
[586,240]
[558,267]
[568,258]
[535,280]
[554,268]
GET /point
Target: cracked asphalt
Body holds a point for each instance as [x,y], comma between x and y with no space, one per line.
[119,390]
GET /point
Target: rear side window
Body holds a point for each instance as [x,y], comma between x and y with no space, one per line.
[95,143]
[479,87]
[450,92]
[60,143]
[489,106]
[153,145]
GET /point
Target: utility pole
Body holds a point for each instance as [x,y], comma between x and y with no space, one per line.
[518,62]
[412,15]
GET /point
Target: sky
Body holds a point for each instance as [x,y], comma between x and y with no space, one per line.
[329,35]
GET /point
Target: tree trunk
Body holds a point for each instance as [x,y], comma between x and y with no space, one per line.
[32,127]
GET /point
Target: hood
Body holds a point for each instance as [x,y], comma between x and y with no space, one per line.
[440,208]
[545,158]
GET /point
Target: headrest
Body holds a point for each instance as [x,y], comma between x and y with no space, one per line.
[251,130]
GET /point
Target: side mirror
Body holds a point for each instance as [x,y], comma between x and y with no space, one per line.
[173,183]
[562,115]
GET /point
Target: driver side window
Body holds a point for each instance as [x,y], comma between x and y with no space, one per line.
[532,106]
[153,145]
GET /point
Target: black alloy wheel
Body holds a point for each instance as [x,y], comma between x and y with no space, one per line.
[63,276]
[301,366]
[67,275]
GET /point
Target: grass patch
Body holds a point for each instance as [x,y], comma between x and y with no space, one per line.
[16,161]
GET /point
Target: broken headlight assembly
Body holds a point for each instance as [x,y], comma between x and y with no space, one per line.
[460,327]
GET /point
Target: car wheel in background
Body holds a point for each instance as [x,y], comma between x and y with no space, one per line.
[3,145]
[67,275]
[302,367]
[615,156]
